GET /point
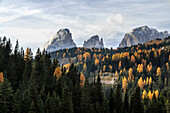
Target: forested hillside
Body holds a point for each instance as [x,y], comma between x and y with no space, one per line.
[43,85]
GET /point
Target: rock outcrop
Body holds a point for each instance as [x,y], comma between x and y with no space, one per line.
[141,35]
[94,42]
[61,40]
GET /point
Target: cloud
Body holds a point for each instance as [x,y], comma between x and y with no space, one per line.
[35,21]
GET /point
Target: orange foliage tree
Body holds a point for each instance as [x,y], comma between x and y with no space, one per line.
[124,83]
[130,72]
[104,68]
[119,64]
[57,72]
[82,80]
[133,59]
[158,72]
[96,62]
[144,94]
[140,68]
[1,77]
[86,56]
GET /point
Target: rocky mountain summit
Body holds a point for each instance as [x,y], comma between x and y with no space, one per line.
[141,35]
[94,42]
[62,40]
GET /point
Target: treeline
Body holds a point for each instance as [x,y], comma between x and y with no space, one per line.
[40,85]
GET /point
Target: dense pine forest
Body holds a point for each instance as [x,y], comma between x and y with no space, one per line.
[69,80]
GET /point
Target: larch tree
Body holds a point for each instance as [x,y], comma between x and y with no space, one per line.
[133,59]
[57,72]
[158,71]
[1,77]
[82,80]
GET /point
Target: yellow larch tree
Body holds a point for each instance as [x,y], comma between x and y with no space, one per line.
[1,77]
[150,81]
[64,54]
[57,72]
[104,68]
[110,68]
[150,95]
[28,54]
[130,72]
[96,62]
[116,74]
[133,59]
[158,71]
[140,68]
[84,66]
[82,80]
[144,94]
[140,82]
[156,93]
[167,66]
[124,83]
[86,56]
[120,64]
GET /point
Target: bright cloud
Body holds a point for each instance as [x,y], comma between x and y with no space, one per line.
[33,22]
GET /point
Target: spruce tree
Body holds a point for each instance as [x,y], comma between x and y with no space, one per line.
[85,102]
[17,102]
[66,104]
[118,99]
[136,104]
[111,101]
[6,94]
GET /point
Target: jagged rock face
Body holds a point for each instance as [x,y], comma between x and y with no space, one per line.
[94,42]
[141,35]
[61,40]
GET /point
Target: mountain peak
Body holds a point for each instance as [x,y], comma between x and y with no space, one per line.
[141,35]
[94,42]
[61,40]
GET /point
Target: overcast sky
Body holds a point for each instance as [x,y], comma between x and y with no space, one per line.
[33,22]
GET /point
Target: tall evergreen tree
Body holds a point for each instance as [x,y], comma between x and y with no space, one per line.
[85,102]
[6,94]
[111,101]
[136,105]
[118,99]
[66,104]
[17,102]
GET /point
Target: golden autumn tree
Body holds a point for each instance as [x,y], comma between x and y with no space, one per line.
[94,56]
[130,72]
[57,72]
[80,57]
[1,77]
[149,67]
[28,54]
[124,83]
[158,71]
[156,93]
[133,59]
[64,54]
[96,62]
[150,81]
[104,68]
[150,95]
[86,56]
[140,68]
[140,82]
[167,66]
[120,64]
[155,54]
[144,94]
[82,80]
[84,66]
[116,74]
[115,57]
[110,67]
